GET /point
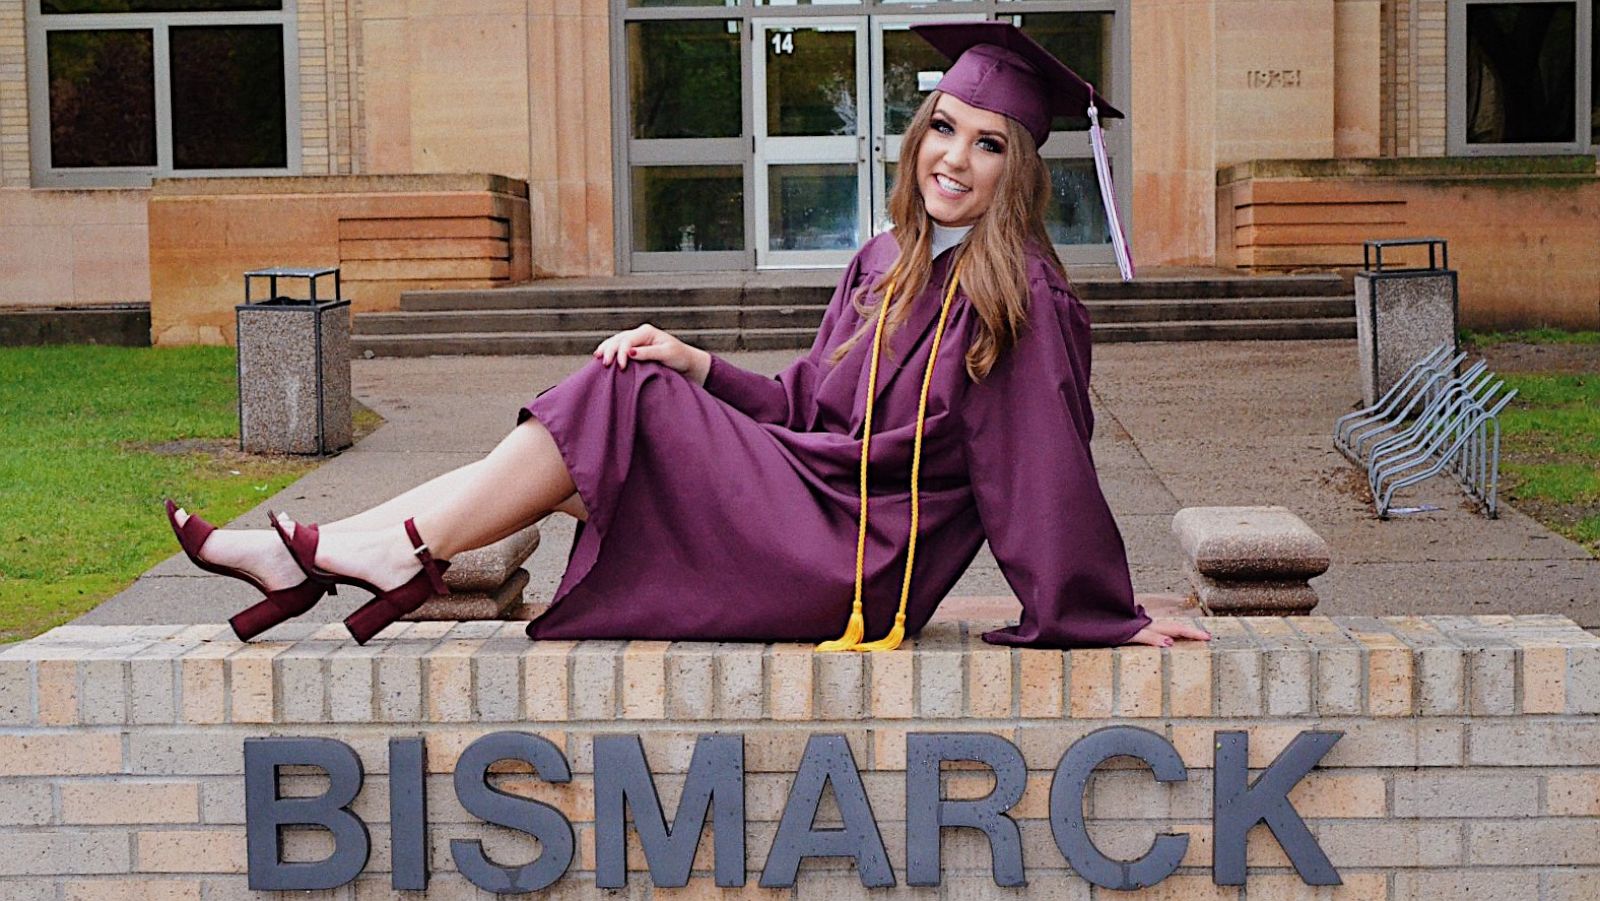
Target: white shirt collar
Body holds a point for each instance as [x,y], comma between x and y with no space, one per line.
[946,237]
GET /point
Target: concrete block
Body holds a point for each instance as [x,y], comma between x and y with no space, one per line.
[1250,543]
[496,602]
[487,568]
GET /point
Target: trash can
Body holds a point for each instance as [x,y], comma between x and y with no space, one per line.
[1402,313]
[294,367]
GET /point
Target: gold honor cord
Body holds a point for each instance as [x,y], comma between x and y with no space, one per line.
[856,627]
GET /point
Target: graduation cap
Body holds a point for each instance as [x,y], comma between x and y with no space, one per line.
[1000,69]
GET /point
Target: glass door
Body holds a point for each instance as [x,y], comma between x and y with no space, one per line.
[813,189]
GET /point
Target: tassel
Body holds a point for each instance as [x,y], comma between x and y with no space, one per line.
[1108,197]
[888,642]
[853,631]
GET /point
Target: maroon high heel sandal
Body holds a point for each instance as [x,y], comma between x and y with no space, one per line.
[276,607]
[386,606]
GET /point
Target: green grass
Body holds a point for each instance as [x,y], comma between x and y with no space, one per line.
[1530,336]
[84,470]
[1551,451]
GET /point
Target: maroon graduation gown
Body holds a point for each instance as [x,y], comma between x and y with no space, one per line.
[728,512]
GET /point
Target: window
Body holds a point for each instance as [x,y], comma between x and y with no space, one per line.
[123,91]
[1521,76]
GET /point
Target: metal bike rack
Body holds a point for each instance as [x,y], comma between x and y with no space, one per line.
[1456,431]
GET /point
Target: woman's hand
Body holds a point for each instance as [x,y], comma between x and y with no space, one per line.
[1163,631]
[650,343]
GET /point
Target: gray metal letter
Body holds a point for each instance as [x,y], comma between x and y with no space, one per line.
[927,813]
[265,814]
[622,777]
[492,805]
[1237,807]
[408,815]
[1067,789]
[827,759]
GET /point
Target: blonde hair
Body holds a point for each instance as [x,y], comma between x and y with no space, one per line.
[994,259]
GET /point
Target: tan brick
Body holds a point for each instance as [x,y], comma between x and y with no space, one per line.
[1541,842]
[1197,744]
[1043,682]
[1572,794]
[1441,681]
[253,694]
[37,853]
[841,685]
[594,680]
[1238,682]
[141,889]
[1459,795]
[1354,887]
[191,851]
[1345,795]
[691,681]
[119,803]
[1389,674]
[1583,679]
[892,684]
[26,803]
[1574,742]
[69,754]
[448,674]
[1089,683]
[1544,669]
[1189,681]
[889,749]
[644,680]
[939,678]
[352,678]
[1491,680]
[1479,884]
[1424,843]
[789,670]
[545,680]
[989,683]
[58,692]
[1573,885]
[1139,681]
[741,681]
[16,692]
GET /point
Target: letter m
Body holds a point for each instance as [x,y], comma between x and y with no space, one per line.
[715,783]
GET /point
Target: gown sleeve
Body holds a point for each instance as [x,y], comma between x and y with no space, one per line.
[786,397]
[1027,427]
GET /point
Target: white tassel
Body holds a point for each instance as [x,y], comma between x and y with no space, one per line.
[1108,196]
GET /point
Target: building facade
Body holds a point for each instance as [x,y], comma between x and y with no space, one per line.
[673,135]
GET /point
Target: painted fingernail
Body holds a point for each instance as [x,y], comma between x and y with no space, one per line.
[633,351]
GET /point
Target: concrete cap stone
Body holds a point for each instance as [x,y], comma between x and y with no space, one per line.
[495,603]
[488,567]
[1252,597]
[1250,543]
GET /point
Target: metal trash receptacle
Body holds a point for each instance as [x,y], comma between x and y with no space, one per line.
[294,367]
[1402,312]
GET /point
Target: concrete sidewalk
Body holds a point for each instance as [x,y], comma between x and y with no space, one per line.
[1178,425]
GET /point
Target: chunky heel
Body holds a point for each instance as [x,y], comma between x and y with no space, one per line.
[378,613]
[277,607]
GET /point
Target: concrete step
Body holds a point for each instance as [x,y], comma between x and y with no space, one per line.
[589,319]
[722,340]
[815,287]
[1109,312]
[1227,330]
[517,343]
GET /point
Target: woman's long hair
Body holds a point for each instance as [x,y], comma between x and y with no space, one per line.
[994,270]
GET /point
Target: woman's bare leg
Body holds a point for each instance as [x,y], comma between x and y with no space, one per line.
[517,484]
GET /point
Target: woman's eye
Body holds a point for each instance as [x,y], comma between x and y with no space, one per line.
[992,145]
[943,126]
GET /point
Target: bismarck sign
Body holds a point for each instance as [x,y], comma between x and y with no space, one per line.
[715,786]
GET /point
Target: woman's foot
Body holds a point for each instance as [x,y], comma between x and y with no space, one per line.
[256,551]
[383,558]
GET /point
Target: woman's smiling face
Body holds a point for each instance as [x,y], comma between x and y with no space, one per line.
[960,161]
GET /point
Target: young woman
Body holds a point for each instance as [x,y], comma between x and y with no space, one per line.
[943,402]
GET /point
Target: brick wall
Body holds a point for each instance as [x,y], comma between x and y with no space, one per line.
[1469,764]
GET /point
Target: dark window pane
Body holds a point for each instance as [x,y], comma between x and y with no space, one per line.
[688,208]
[1075,214]
[1083,42]
[227,98]
[1594,81]
[69,7]
[102,98]
[812,207]
[683,79]
[811,81]
[1521,73]
[911,67]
